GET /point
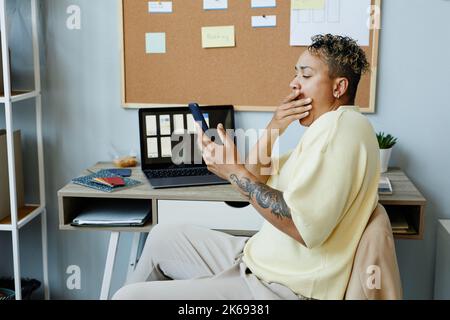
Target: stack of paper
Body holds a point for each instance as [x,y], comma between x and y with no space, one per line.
[384,186]
[400,225]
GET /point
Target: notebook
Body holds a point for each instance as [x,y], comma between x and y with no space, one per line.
[110,182]
[87,181]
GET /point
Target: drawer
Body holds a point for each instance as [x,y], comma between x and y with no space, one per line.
[212,215]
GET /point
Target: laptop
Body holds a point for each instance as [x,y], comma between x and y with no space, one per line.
[170,156]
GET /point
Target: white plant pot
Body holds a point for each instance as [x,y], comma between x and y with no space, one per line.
[385,156]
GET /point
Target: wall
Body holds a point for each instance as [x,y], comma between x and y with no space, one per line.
[82,111]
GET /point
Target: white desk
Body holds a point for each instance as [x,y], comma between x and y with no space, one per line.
[205,206]
[199,205]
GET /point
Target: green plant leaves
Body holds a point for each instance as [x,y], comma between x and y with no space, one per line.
[386,141]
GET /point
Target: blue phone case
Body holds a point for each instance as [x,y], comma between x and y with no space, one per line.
[198,115]
[121,172]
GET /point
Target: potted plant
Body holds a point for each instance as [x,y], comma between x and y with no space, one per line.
[386,143]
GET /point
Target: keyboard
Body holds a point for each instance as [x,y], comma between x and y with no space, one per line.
[184,172]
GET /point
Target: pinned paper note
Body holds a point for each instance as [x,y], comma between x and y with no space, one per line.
[215,4]
[264,3]
[338,17]
[155,42]
[218,37]
[307,4]
[264,21]
[160,7]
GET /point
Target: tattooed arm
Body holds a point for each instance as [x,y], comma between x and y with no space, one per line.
[269,203]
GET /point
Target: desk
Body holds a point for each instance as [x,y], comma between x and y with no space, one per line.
[208,202]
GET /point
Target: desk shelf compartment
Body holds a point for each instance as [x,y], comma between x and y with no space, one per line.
[413,215]
[71,207]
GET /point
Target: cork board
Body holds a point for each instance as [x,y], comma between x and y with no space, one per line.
[253,76]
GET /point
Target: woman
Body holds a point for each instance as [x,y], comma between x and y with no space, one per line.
[316,202]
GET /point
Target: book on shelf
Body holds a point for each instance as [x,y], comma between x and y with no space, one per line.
[398,222]
[405,231]
[400,225]
[385,186]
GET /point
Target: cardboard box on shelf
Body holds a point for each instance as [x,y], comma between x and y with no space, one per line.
[5,208]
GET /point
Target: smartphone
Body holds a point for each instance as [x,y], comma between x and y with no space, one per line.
[198,115]
[121,172]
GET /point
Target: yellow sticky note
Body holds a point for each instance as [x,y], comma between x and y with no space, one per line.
[218,37]
[307,4]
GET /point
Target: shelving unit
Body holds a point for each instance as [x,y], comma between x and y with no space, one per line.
[19,217]
[19,95]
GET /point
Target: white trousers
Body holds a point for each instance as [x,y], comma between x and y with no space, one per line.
[185,262]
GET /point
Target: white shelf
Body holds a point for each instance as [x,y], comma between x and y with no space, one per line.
[20,95]
[25,215]
[20,217]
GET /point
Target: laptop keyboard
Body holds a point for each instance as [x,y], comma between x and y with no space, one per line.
[184,172]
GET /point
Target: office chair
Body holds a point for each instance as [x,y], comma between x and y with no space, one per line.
[375,274]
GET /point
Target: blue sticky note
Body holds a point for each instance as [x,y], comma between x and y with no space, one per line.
[155,42]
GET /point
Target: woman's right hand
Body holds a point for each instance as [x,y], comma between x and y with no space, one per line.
[291,110]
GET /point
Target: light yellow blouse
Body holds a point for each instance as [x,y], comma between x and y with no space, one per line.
[330,183]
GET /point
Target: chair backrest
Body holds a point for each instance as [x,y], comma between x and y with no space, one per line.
[375,274]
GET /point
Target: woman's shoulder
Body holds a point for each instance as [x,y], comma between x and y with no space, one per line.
[355,131]
[345,118]
[347,127]
[353,120]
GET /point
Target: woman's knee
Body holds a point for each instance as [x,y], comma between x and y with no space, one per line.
[124,293]
[133,292]
[154,290]
[164,239]
[161,234]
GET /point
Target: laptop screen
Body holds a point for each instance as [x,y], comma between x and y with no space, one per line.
[168,135]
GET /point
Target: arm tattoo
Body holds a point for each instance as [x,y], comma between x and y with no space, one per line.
[265,196]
